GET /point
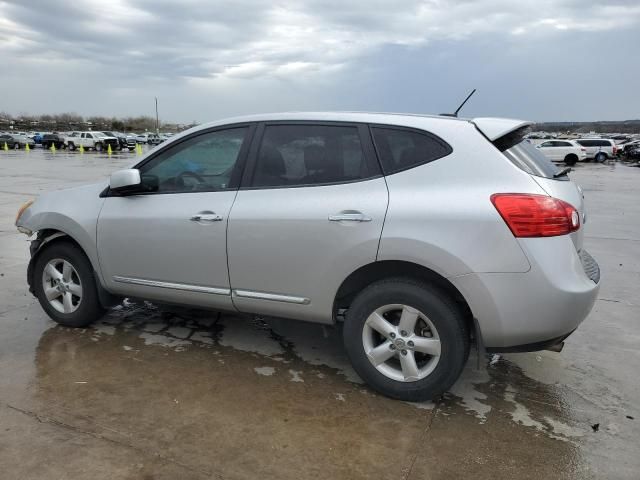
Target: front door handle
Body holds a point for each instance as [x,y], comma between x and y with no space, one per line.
[206,217]
[349,217]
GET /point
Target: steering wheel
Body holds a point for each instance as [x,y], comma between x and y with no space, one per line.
[186,174]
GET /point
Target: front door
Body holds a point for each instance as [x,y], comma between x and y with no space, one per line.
[170,244]
[311,213]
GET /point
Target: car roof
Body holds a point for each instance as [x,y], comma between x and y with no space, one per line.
[492,128]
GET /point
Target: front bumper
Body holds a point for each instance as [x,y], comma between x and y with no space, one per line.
[536,308]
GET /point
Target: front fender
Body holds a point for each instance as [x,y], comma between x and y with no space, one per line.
[73,212]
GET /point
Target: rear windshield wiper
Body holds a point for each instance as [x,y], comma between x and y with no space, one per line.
[562,172]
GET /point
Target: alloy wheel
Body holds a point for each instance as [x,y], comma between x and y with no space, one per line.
[61,285]
[401,342]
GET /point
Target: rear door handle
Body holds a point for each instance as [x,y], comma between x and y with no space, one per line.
[349,217]
[206,217]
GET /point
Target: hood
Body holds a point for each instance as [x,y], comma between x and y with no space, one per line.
[61,202]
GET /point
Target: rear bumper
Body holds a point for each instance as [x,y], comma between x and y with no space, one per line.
[530,311]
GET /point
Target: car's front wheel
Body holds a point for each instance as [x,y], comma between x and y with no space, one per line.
[406,339]
[64,285]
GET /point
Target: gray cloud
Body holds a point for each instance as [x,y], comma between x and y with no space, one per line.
[289,53]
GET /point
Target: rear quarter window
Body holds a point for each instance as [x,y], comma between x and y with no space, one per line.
[400,149]
[524,155]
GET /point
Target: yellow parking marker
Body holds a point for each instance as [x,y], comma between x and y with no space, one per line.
[5,148]
[53,147]
[109,149]
[81,149]
[139,149]
[26,147]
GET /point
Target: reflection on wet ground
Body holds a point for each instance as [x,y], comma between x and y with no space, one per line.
[278,397]
[149,392]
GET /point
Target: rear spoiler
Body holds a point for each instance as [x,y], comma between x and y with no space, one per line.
[495,128]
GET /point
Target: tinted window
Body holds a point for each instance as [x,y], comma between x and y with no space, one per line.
[402,149]
[528,158]
[202,163]
[292,155]
[564,144]
[546,144]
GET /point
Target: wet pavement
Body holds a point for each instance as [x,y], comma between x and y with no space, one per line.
[148,393]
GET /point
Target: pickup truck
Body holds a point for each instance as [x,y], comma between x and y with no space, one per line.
[97,141]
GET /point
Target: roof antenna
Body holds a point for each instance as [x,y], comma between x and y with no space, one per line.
[455,114]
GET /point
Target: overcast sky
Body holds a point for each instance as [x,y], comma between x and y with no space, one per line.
[208,59]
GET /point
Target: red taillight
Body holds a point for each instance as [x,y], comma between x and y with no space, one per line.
[583,149]
[536,215]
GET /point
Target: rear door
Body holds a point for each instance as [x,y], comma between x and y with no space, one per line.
[309,213]
[550,149]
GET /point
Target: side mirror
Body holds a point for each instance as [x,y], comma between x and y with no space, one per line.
[125,181]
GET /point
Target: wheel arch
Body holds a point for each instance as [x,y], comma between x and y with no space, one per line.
[373,272]
[46,237]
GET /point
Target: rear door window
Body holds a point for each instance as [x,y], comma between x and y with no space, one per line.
[312,154]
[400,149]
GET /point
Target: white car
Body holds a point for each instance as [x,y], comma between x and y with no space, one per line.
[97,141]
[599,149]
[566,151]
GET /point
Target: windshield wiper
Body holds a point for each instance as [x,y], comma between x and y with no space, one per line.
[562,172]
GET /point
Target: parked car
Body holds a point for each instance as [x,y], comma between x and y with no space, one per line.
[124,141]
[599,149]
[91,140]
[149,138]
[416,231]
[632,151]
[566,151]
[37,137]
[55,139]
[16,141]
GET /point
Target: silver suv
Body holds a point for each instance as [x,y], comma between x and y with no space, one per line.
[422,234]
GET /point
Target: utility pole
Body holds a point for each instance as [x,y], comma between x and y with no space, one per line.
[157,125]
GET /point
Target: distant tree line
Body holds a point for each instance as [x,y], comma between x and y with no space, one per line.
[624,126]
[74,121]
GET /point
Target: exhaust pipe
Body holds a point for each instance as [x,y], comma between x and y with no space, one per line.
[556,348]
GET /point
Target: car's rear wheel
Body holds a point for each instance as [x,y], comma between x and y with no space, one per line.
[64,285]
[571,159]
[98,147]
[601,157]
[406,339]
[72,146]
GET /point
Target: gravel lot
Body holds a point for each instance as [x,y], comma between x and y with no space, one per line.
[146,394]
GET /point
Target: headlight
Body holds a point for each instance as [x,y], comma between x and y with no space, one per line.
[21,210]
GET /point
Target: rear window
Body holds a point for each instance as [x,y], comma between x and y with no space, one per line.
[524,155]
[594,143]
[400,149]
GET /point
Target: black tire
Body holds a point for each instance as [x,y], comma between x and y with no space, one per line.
[72,146]
[98,146]
[441,310]
[601,157]
[16,146]
[571,159]
[89,308]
